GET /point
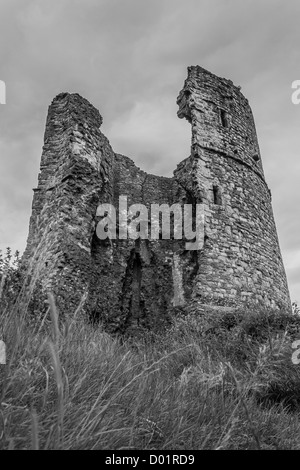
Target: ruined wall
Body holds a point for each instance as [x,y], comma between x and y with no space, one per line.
[131,283]
[126,283]
[76,171]
[241,262]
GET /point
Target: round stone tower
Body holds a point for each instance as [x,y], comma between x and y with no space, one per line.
[241,261]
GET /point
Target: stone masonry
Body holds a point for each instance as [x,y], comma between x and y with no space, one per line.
[130,283]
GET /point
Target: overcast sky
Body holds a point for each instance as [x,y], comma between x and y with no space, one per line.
[129,59]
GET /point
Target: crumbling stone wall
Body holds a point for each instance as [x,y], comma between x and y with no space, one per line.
[241,261]
[130,283]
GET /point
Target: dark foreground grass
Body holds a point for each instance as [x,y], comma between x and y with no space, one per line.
[219,383]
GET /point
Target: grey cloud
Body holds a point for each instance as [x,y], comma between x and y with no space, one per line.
[129,59]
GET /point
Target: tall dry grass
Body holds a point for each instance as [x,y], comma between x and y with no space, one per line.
[221,383]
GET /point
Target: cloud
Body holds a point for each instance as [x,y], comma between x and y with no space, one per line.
[144,121]
[129,59]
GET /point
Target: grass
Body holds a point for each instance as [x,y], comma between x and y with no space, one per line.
[223,382]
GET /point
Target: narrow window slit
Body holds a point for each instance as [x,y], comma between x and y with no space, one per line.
[224,118]
[217,195]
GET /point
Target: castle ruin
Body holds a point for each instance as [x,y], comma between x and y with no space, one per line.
[129,283]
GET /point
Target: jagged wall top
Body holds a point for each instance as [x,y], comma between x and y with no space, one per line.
[221,118]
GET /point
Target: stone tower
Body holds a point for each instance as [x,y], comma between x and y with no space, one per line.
[130,283]
[241,260]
